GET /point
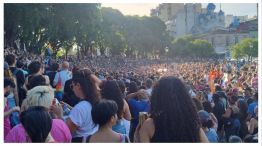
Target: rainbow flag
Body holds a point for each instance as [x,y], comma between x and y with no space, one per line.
[59,89]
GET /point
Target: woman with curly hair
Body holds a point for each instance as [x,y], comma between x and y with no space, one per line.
[173,117]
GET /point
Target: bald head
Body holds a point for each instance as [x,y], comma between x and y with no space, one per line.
[65,65]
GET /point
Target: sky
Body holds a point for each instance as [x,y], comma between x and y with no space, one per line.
[144,9]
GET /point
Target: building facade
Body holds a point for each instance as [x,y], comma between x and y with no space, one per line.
[223,39]
[203,23]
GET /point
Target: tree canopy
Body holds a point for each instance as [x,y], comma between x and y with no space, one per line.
[38,26]
[247,47]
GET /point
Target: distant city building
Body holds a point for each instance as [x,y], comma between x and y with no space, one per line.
[182,19]
[223,39]
[220,30]
[230,18]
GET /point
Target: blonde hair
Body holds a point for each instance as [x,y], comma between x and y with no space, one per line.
[39,96]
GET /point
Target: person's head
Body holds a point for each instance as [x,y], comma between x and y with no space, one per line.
[75,68]
[256,111]
[37,123]
[242,105]
[234,139]
[197,103]
[39,96]
[65,65]
[104,112]
[207,106]
[251,139]
[174,121]
[149,83]
[248,92]
[10,59]
[8,84]
[218,88]
[20,64]
[38,80]
[205,119]
[35,67]
[132,88]
[111,91]
[233,99]
[142,95]
[200,96]
[122,86]
[216,97]
[7,71]
[256,96]
[86,85]
[54,66]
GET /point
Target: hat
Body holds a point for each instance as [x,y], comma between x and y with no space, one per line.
[6,66]
[203,116]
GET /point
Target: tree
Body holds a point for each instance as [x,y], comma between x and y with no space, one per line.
[181,46]
[191,47]
[247,47]
[65,25]
[202,48]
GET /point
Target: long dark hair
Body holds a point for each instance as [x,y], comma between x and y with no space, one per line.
[173,112]
[87,83]
[37,123]
[110,90]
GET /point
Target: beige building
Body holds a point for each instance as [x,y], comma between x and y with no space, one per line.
[166,11]
[189,18]
[221,40]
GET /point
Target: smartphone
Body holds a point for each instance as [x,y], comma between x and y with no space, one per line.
[142,117]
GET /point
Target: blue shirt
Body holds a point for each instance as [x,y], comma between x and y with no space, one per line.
[137,106]
[251,108]
[212,135]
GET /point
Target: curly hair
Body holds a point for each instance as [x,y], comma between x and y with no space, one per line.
[110,90]
[173,112]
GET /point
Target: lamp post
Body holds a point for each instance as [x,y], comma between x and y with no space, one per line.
[166,50]
[92,48]
[250,49]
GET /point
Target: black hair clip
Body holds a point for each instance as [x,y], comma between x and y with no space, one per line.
[42,93]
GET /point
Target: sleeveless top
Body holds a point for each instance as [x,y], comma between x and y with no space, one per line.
[119,127]
[122,138]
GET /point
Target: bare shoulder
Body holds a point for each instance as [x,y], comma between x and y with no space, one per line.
[147,130]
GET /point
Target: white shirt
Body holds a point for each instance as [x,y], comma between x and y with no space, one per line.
[81,116]
[149,91]
[65,75]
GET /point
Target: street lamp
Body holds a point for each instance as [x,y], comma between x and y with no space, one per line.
[166,50]
[250,48]
[92,48]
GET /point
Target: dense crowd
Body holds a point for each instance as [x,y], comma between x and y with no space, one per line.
[123,99]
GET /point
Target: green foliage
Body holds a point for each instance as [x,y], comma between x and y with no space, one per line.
[65,25]
[247,47]
[188,46]
[202,48]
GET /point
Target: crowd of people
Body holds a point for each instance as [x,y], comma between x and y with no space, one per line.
[123,99]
